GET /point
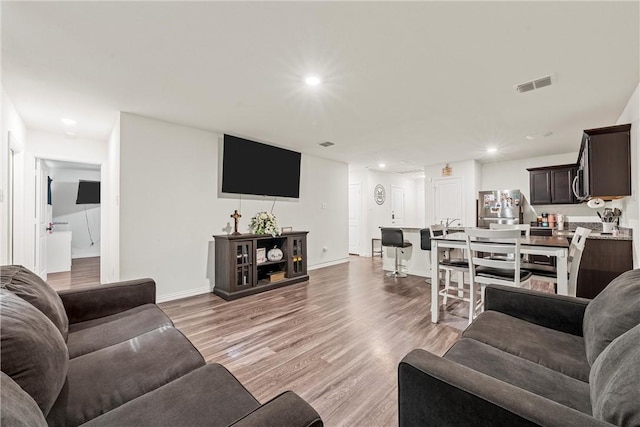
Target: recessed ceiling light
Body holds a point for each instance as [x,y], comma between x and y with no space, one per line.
[381,165]
[530,137]
[312,80]
[492,150]
[68,122]
[69,133]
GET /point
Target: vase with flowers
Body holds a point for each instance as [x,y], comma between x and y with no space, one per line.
[264,223]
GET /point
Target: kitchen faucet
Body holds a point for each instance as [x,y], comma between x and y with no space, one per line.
[449,222]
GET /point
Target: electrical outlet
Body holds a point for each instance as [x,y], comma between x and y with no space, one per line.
[324,205]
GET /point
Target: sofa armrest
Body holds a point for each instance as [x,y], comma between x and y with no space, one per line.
[553,311]
[103,300]
[433,391]
[285,410]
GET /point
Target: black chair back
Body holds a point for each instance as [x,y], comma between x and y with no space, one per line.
[392,237]
[425,239]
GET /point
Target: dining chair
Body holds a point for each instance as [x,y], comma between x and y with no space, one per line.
[550,274]
[525,229]
[450,265]
[504,269]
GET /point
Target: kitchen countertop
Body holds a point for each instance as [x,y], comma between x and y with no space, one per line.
[623,235]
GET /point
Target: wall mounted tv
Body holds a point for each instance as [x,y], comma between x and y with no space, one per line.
[88,192]
[250,167]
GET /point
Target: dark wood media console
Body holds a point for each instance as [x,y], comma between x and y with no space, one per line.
[237,272]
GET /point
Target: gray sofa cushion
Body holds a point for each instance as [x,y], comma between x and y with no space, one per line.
[30,287]
[101,381]
[612,313]
[33,352]
[521,373]
[226,401]
[92,335]
[556,350]
[18,408]
[615,381]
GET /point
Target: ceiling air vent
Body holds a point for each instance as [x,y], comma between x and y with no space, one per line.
[411,171]
[326,144]
[534,84]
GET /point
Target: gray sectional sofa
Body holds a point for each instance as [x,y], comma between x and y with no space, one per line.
[108,356]
[533,359]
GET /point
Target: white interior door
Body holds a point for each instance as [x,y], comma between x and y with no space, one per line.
[447,193]
[397,205]
[41,219]
[355,217]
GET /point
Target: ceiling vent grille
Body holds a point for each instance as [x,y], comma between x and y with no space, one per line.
[326,144]
[534,84]
[411,171]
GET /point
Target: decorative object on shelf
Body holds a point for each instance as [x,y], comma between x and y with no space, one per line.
[379,195]
[264,223]
[261,255]
[275,254]
[283,229]
[447,170]
[276,276]
[236,216]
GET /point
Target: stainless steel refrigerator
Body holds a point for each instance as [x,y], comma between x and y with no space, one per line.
[499,207]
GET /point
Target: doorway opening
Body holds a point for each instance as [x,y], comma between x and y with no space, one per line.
[69,220]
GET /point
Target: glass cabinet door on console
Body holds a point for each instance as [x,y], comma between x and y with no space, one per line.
[243,263]
[297,256]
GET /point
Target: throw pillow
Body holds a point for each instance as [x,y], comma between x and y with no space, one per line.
[31,288]
[612,313]
[33,352]
[18,408]
[614,380]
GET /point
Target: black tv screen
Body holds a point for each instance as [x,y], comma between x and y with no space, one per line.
[250,167]
[88,192]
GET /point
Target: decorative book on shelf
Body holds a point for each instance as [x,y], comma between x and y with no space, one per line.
[242,266]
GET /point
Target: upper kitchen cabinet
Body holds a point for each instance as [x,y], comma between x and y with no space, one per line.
[551,185]
[604,163]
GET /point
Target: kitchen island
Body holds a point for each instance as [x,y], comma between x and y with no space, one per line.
[415,260]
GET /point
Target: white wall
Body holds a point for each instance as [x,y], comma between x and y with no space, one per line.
[53,146]
[11,123]
[169,207]
[82,220]
[468,171]
[110,198]
[514,175]
[375,216]
[629,205]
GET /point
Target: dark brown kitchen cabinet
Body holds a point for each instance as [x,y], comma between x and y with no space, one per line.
[602,261]
[551,185]
[605,163]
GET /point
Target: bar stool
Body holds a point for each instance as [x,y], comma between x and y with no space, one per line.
[394,237]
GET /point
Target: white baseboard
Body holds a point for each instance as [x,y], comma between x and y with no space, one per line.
[327,264]
[183,294]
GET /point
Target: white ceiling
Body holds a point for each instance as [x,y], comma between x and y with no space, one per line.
[408,83]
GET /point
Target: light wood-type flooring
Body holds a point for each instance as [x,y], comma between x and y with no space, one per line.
[84,272]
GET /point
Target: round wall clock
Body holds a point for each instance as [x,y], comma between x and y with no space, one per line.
[379,194]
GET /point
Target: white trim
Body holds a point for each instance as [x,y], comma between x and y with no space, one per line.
[327,264]
[183,294]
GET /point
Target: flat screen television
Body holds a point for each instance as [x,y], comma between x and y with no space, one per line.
[250,167]
[88,192]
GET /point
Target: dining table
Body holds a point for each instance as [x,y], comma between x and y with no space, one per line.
[553,246]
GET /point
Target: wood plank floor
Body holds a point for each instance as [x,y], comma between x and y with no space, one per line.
[335,340]
[84,272]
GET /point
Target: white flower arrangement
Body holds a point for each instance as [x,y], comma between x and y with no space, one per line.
[264,223]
